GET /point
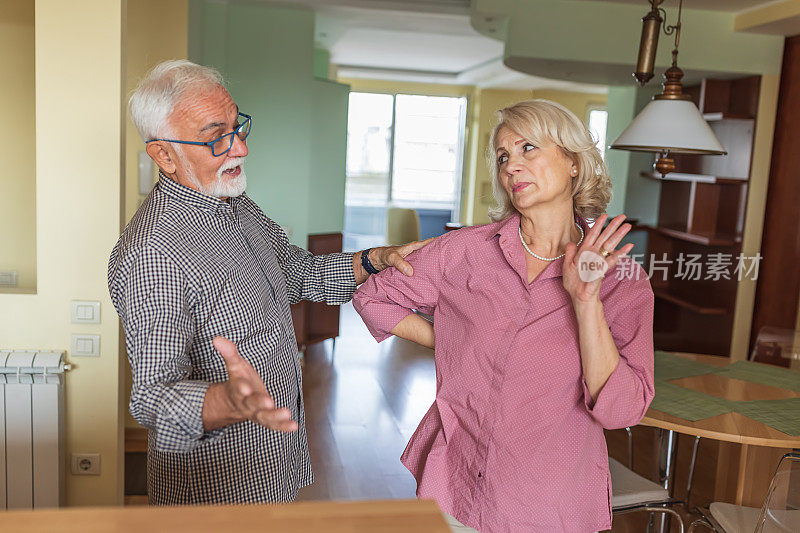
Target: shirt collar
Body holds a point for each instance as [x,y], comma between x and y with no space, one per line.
[192,197]
[507,228]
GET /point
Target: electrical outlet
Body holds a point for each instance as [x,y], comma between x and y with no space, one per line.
[85,464]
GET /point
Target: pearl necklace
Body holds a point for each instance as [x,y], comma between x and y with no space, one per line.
[539,257]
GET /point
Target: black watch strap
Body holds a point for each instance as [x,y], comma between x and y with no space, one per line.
[369,267]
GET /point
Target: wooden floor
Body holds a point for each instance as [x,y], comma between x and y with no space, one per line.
[363,402]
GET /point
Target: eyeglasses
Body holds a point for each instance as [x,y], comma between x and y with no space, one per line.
[220,145]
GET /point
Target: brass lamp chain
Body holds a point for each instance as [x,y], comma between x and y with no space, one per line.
[674,28]
[673,89]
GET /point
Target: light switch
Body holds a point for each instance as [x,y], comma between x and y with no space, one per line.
[83,312]
[8,278]
[85,346]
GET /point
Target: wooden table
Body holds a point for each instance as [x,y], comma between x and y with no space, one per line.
[394,516]
[755,443]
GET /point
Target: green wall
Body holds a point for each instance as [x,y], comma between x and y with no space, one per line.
[621,110]
[266,53]
[322,61]
[329,143]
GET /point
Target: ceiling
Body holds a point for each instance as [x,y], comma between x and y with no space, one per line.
[433,41]
[403,39]
[417,40]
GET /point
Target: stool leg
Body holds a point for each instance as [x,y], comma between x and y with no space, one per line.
[630,447]
[666,444]
[691,470]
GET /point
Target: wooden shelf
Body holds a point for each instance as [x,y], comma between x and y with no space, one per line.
[697,238]
[706,195]
[712,117]
[664,294]
[698,178]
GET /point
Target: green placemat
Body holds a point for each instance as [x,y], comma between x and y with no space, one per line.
[774,376]
[671,366]
[783,415]
[687,404]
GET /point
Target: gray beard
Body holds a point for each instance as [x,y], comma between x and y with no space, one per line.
[223,187]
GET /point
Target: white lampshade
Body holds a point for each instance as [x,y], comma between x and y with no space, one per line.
[674,126]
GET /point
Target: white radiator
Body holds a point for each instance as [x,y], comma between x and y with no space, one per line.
[31,429]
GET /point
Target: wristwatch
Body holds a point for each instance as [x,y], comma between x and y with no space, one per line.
[365,262]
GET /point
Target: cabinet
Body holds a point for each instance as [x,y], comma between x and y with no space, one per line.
[700,220]
[317,321]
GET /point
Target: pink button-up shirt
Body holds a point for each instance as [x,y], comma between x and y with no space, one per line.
[513,441]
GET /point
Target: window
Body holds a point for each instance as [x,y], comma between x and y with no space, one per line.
[405,151]
[369,132]
[597,126]
[427,149]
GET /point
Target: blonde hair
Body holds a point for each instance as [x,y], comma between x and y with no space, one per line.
[540,121]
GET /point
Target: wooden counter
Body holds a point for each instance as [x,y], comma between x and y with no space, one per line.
[392,516]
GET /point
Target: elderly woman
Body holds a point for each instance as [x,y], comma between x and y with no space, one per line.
[536,351]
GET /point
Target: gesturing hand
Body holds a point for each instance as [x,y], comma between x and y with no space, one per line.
[585,267]
[245,394]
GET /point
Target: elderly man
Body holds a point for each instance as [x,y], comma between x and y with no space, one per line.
[201,267]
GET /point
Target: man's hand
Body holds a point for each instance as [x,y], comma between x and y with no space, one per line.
[242,397]
[388,256]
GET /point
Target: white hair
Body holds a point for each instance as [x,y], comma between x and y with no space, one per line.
[157,94]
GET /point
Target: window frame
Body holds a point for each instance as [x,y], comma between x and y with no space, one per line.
[598,107]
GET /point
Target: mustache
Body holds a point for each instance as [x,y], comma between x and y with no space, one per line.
[231,163]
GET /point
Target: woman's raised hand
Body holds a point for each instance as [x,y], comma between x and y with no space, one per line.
[585,267]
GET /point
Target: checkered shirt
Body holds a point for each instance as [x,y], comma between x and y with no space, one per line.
[186,269]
